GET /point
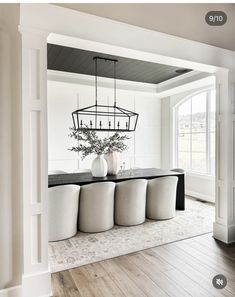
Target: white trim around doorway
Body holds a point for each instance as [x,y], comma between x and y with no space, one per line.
[38,21]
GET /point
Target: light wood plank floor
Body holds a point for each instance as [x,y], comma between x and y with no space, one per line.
[183,268]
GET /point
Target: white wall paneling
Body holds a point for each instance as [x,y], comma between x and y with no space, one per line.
[148,132]
[36,277]
[63,98]
[62,101]
[201,187]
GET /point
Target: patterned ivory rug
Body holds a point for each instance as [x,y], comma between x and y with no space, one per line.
[87,248]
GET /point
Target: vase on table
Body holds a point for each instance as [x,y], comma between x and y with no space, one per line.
[99,167]
[113,161]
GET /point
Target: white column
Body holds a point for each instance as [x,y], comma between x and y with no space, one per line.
[36,277]
[224,226]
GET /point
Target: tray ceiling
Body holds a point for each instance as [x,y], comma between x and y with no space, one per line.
[62,58]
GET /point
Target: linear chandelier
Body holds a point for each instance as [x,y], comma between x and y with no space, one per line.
[105,117]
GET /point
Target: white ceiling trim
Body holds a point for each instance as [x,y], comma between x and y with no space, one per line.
[171,88]
[125,39]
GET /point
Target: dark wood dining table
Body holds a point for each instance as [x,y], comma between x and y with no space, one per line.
[85,178]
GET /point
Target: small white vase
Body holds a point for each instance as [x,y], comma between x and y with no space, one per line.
[113,161]
[99,167]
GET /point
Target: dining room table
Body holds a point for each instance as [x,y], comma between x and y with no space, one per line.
[84,178]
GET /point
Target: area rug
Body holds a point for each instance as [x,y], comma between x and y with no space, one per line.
[87,248]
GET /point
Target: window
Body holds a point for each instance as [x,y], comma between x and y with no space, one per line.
[195,133]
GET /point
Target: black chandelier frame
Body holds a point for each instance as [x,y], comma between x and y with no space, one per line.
[116,115]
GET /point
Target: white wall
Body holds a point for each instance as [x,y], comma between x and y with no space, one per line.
[153,16]
[64,97]
[152,144]
[199,186]
[10,151]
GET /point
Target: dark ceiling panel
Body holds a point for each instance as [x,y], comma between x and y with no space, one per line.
[62,58]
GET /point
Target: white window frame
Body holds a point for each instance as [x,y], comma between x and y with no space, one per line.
[208,171]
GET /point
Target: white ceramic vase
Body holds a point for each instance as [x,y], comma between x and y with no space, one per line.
[113,161]
[99,167]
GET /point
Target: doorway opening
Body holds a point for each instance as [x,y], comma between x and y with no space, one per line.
[168,132]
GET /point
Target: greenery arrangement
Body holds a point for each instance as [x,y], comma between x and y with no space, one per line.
[90,143]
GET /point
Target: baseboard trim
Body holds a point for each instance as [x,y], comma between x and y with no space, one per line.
[12,292]
[37,285]
[200,196]
[34,285]
[224,233]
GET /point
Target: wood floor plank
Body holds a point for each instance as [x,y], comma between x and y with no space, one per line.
[108,287]
[220,258]
[226,266]
[57,286]
[187,264]
[229,247]
[84,284]
[205,266]
[63,285]
[212,260]
[93,270]
[159,263]
[189,285]
[125,284]
[145,283]
[100,279]
[162,281]
[217,248]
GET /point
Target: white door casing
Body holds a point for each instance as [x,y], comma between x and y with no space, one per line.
[224,226]
[36,277]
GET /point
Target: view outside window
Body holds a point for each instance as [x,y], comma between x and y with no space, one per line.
[195,133]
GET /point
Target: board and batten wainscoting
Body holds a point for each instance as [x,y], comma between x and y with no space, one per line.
[68,92]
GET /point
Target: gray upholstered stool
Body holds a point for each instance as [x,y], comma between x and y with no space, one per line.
[180,170]
[56,172]
[63,211]
[96,207]
[130,202]
[161,198]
